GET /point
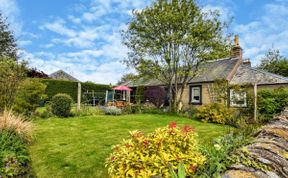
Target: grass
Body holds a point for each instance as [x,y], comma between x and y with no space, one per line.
[77,147]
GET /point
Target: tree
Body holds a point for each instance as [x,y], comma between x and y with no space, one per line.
[29,96]
[8,45]
[170,39]
[155,95]
[126,78]
[34,73]
[12,74]
[275,63]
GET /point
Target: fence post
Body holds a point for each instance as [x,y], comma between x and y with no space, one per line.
[79,97]
[106,97]
[93,96]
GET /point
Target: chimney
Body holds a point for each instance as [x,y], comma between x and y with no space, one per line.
[236,51]
[247,62]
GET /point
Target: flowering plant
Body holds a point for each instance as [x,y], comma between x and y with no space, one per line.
[146,156]
[12,167]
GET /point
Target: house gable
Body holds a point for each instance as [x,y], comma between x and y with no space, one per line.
[61,75]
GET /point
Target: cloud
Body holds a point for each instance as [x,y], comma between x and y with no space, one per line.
[59,27]
[10,10]
[79,65]
[92,33]
[24,42]
[225,13]
[266,30]
[270,30]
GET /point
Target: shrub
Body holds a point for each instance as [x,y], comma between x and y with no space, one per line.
[146,156]
[14,159]
[28,97]
[218,156]
[216,113]
[61,105]
[190,112]
[44,112]
[155,95]
[150,108]
[11,75]
[147,108]
[131,109]
[271,102]
[112,110]
[89,111]
[15,124]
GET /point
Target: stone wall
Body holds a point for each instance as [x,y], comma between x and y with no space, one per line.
[270,148]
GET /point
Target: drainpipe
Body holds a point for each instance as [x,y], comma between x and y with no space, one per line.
[255,102]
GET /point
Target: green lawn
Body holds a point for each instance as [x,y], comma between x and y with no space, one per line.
[77,147]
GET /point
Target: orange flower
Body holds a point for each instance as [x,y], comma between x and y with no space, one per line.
[187,129]
[146,143]
[172,125]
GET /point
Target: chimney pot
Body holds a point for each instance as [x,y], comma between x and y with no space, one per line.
[247,62]
[236,51]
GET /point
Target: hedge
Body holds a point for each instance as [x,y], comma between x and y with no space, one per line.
[272,102]
[60,86]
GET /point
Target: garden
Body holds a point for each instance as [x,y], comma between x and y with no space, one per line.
[142,139]
[45,131]
[80,145]
[138,140]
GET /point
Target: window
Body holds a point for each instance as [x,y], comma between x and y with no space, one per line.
[238,98]
[195,94]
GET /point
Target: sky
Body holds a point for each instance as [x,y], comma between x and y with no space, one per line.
[83,37]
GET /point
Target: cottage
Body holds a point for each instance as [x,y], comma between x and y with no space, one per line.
[62,75]
[235,70]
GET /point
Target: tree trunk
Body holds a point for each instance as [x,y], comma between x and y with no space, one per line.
[170,97]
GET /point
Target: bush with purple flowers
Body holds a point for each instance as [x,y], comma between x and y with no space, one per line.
[14,157]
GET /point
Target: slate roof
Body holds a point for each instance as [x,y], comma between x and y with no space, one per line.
[210,71]
[62,75]
[221,69]
[246,74]
[216,69]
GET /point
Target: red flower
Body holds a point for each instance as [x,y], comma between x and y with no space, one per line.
[113,158]
[146,143]
[127,145]
[172,125]
[187,129]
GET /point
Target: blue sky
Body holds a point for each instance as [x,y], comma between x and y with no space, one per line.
[83,37]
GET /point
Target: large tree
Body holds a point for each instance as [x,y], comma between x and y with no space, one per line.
[8,46]
[127,77]
[170,39]
[274,62]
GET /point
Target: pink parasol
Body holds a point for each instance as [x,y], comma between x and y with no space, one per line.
[122,88]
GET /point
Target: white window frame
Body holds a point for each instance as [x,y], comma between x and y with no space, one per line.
[192,94]
[238,94]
